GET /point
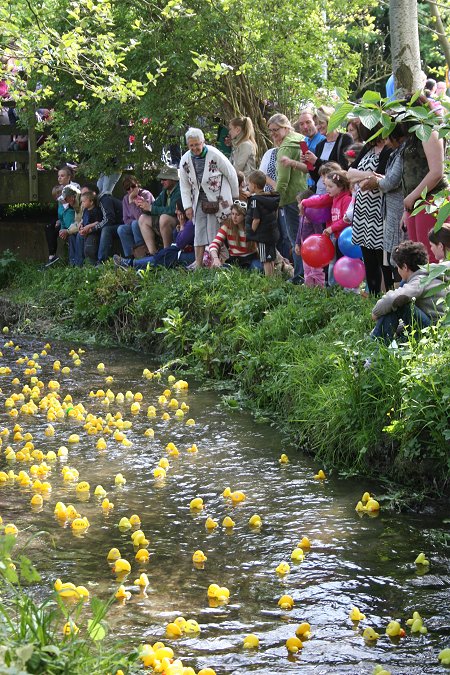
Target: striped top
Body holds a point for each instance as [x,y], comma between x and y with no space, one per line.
[367,215]
[236,248]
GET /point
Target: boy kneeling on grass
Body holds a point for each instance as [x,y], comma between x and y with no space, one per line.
[414,302]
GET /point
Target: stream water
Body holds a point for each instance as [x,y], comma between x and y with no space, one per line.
[354,560]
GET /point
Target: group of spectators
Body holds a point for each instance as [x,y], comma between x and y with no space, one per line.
[215,210]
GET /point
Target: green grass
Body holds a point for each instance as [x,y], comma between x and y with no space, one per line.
[294,354]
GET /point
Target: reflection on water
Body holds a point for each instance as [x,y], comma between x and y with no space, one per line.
[362,561]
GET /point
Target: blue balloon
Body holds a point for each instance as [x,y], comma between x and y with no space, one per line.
[345,244]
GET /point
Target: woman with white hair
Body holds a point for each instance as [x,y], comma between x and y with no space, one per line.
[208,185]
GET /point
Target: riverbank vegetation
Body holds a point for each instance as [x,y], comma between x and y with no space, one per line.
[300,357]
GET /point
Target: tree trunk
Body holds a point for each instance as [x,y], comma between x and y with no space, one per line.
[405,50]
[440,30]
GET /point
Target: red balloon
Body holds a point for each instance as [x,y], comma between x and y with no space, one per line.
[317,250]
[349,272]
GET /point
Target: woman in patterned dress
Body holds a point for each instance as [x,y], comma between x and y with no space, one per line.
[367,215]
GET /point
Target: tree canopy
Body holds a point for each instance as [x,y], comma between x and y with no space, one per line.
[111,68]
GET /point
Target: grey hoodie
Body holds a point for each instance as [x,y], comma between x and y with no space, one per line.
[415,288]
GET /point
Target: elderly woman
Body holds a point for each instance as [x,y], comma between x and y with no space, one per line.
[289,180]
[208,185]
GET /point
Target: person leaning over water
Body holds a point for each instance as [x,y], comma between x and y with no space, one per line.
[209,184]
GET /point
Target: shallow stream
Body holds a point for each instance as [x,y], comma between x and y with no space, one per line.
[354,560]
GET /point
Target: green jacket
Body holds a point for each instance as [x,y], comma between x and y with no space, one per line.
[165,203]
[289,181]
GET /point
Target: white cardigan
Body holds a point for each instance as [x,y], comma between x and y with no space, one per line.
[219,180]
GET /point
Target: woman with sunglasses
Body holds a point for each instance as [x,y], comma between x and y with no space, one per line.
[232,234]
[129,233]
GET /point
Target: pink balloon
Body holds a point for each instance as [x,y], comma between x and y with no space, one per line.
[317,250]
[349,272]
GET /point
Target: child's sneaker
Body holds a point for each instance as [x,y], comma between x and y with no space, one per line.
[123,263]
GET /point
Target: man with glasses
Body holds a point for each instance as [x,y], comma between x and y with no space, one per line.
[99,236]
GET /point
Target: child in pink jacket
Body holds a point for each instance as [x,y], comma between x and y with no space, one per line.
[338,197]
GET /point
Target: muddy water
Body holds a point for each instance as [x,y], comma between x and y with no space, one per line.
[361,561]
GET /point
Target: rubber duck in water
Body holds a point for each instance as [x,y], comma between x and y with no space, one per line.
[303,631]
[421,560]
[113,554]
[196,504]
[370,635]
[173,630]
[143,581]
[284,459]
[356,615]
[379,670]
[119,479]
[251,641]
[286,602]
[444,657]
[298,555]
[283,568]
[211,524]
[416,623]
[293,645]
[121,566]
[142,556]
[80,524]
[394,629]
[255,521]
[304,543]
[122,594]
[320,475]
[199,557]
[237,497]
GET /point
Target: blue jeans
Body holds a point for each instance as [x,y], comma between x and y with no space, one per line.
[107,234]
[130,235]
[184,259]
[292,219]
[76,250]
[387,325]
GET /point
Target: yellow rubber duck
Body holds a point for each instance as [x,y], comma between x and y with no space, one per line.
[100,491]
[416,623]
[227,492]
[199,557]
[190,422]
[284,459]
[211,524]
[36,501]
[121,566]
[113,554]
[143,581]
[101,444]
[164,463]
[70,628]
[196,504]
[142,555]
[206,671]
[122,593]
[191,626]
[444,656]
[372,505]
[135,520]
[356,615]
[286,602]
[320,475]
[370,635]
[159,473]
[394,629]
[83,486]
[80,524]
[237,497]
[228,522]
[379,670]
[107,505]
[304,543]
[421,560]
[192,448]
[255,521]
[73,438]
[101,367]
[149,433]
[251,641]
[298,555]
[303,631]
[11,529]
[124,523]
[294,644]
[139,539]
[119,479]
[283,568]
[173,630]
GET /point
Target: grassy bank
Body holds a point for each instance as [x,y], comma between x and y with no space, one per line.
[295,355]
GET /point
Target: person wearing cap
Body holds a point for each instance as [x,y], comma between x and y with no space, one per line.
[158,219]
[70,222]
[209,184]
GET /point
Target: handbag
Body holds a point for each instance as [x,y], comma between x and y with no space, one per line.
[212,207]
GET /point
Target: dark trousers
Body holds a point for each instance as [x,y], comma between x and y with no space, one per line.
[375,270]
[52,235]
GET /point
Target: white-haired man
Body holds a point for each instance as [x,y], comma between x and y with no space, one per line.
[208,185]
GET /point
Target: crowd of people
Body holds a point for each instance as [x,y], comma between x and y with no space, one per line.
[215,210]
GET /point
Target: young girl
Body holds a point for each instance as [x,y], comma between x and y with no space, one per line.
[338,197]
[314,276]
[232,233]
[440,243]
